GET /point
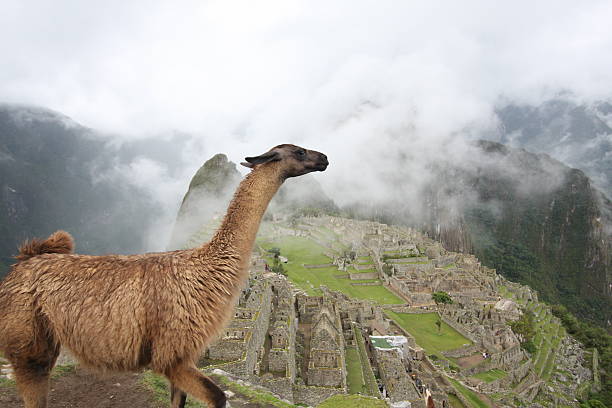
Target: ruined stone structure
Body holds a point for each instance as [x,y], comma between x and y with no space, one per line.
[295,345]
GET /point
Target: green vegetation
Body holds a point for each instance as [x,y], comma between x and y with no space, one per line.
[441,298]
[397,255]
[352,401]
[455,402]
[368,374]
[525,326]
[158,386]
[277,265]
[491,375]
[300,251]
[591,337]
[468,394]
[354,372]
[514,261]
[61,370]
[380,343]
[5,382]
[255,396]
[423,328]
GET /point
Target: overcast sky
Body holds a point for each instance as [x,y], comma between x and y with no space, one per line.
[336,76]
[248,68]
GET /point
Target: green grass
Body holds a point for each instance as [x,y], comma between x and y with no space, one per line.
[491,375]
[255,396]
[354,372]
[300,251]
[158,386]
[455,402]
[352,401]
[353,270]
[368,374]
[61,370]
[468,394]
[5,382]
[423,328]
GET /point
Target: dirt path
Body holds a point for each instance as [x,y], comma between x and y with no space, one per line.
[81,389]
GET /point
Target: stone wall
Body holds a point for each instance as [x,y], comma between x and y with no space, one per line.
[462,351]
[229,350]
[365,275]
[459,328]
[332,377]
[283,387]
[313,396]
[410,260]
[393,373]
[365,283]
[315,266]
[246,333]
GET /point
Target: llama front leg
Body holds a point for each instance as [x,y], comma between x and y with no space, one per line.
[177,397]
[193,382]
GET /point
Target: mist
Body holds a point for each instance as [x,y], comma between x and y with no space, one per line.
[385,89]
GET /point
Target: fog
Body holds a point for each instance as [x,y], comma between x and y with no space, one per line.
[384,88]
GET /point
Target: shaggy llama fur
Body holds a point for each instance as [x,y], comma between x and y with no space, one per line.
[124,313]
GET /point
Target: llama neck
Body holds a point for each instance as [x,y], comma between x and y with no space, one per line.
[241,223]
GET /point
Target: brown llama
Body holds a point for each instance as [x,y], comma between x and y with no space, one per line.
[125,313]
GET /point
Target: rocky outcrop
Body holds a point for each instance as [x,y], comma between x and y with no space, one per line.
[209,193]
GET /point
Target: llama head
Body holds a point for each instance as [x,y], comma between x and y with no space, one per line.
[290,160]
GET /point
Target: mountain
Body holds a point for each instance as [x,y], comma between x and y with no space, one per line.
[532,218]
[56,174]
[208,194]
[578,134]
[213,185]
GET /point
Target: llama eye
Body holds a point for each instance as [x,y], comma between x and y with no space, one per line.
[301,153]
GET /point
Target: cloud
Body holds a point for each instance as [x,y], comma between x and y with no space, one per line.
[367,82]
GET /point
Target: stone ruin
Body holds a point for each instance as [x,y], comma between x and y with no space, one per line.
[295,345]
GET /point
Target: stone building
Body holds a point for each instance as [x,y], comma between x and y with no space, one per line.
[238,351]
[326,366]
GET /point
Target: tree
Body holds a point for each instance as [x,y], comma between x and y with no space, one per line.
[441,298]
[439,324]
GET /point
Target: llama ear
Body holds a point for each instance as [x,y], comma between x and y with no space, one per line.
[264,158]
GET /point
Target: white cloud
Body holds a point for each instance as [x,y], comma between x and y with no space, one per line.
[355,79]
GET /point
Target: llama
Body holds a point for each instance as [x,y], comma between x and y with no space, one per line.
[125,313]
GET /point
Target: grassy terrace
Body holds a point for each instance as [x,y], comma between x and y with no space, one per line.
[423,328]
[455,402]
[549,333]
[470,395]
[369,380]
[354,372]
[352,401]
[353,270]
[491,375]
[300,251]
